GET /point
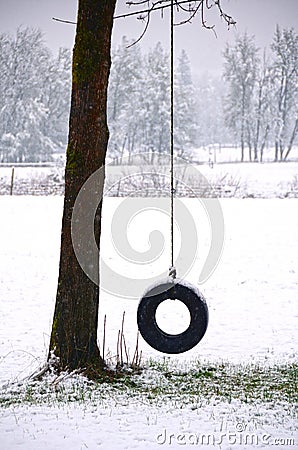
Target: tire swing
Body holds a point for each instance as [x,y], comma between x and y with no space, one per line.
[171,288]
[154,335]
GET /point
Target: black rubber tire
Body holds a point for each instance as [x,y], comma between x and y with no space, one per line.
[146,316]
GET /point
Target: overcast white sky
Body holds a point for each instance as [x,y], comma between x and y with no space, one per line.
[257,17]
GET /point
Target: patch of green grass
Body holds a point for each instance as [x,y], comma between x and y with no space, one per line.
[164,381]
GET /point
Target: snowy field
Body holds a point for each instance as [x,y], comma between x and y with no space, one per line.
[252,299]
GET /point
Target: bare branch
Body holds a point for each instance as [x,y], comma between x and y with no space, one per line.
[192,10]
[228,19]
[159,5]
[147,18]
[154,7]
[130,3]
[204,25]
[193,13]
[64,21]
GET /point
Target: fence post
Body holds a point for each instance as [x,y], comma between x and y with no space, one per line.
[12,180]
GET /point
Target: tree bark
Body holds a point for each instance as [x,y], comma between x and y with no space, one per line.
[258,125]
[74,329]
[295,129]
[242,124]
[276,151]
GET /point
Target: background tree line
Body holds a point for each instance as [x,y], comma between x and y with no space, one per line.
[34,97]
[261,106]
[253,104]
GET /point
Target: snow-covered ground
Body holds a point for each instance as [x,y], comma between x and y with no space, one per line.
[136,426]
[252,298]
[223,154]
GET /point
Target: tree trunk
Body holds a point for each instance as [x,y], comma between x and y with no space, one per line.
[249,140]
[281,149]
[295,129]
[74,329]
[264,143]
[276,151]
[258,126]
[242,139]
[242,150]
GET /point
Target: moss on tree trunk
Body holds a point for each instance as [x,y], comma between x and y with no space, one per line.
[74,330]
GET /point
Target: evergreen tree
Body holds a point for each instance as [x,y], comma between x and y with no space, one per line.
[240,72]
[124,100]
[185,108]
[209,105]
[156,101]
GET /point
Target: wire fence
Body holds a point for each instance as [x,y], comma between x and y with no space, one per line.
[49,180]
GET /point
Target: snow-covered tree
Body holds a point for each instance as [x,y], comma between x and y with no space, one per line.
[139,103]
[284,72]
[240,73]
[185,108]
[262,117]
[124,100]
[22,113]
[7,139]
[156,101]
[209,110]
[55,96]
[34,97]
